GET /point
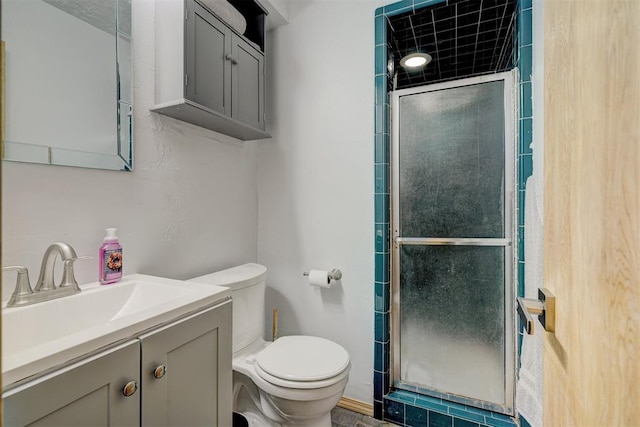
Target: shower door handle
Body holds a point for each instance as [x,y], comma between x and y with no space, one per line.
[448,241]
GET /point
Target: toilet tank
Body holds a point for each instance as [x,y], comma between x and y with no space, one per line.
[247,283]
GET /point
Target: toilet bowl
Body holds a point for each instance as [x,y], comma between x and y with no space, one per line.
[293,381]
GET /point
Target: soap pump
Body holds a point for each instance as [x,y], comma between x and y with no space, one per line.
[110,258]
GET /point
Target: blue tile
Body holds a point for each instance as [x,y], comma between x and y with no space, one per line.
[382,148]
[521,279]
[378,409]
[381,30]
[526,106]
[524,422]
[381,59]
[378,385]
[415,417]
[425,3]
[382,297]
[502,417]
[381,327]
[379,350]
[458,422]
[382,118]
[521,244]
[382,238]
[525,164]
[382,97]
[521,197]
[382,210]
[398,7]
[526,136]
[500,423]
[439,420]
[525,4]
[526,63]
[382,178]
[382,267]
[394,411]
[432,404]
[525,29]
[405,396]
[458,413]
[380,11]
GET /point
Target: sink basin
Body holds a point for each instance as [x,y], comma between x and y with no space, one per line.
[42,336]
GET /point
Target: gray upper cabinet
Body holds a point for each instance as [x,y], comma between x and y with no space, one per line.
[206,73]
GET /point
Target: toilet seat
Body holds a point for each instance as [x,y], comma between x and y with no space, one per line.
[302,362]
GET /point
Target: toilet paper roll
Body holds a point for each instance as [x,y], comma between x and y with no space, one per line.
[319,278]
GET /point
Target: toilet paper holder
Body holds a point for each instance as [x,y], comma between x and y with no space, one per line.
[334,274]
[544,307]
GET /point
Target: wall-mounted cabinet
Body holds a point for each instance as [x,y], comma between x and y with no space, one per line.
[209,74]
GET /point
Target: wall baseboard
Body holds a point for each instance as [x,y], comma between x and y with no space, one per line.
[356,406]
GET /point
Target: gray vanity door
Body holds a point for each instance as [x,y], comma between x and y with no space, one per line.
[88,393]
[186,371]
[207,61]
[248,84]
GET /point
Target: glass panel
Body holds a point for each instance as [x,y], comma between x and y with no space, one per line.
[125,71]
[452,319]
[125,134]
[452,162]
[124,17]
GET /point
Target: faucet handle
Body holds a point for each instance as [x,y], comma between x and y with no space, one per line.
[68,279]
[23,286]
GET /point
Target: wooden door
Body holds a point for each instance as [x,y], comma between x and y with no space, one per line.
[87,393]
[592,212]
[195,390]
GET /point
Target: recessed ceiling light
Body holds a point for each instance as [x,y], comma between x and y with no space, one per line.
[415,60]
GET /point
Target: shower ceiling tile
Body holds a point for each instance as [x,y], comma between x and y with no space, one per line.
[465,38]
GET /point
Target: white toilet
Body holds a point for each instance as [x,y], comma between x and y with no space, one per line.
[293,381]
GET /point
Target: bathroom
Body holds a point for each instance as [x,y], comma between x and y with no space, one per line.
[198,201]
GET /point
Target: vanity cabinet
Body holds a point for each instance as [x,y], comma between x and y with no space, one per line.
[206,73]
[87,393]
[186,371]
[176,374]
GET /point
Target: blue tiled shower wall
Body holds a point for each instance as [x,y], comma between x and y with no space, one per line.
[402,407]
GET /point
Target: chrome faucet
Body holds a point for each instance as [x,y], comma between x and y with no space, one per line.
[45,287]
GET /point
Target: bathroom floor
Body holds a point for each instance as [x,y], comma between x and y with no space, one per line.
[341,417]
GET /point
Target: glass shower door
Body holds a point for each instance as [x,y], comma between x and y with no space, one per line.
[452,204]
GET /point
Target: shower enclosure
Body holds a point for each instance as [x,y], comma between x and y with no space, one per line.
[452,168]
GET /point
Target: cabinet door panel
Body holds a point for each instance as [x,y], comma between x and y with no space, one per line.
[208,42]
[196,388]
[88,393]
[248,84]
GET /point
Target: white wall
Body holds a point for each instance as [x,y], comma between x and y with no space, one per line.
[316,177]
[189,207]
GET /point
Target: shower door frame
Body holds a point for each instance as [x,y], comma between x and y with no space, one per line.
[510,256]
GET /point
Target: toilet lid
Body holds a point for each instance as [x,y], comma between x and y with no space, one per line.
[303,358]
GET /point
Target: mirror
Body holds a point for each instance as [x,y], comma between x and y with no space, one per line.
[68,95]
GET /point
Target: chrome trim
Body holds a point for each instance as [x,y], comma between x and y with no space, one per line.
[445,241]
[510,228]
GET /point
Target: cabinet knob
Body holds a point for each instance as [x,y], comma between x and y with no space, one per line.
[228,57]
[130,388]
[159,371]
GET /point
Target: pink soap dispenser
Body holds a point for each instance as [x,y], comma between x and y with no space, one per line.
[110,258]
